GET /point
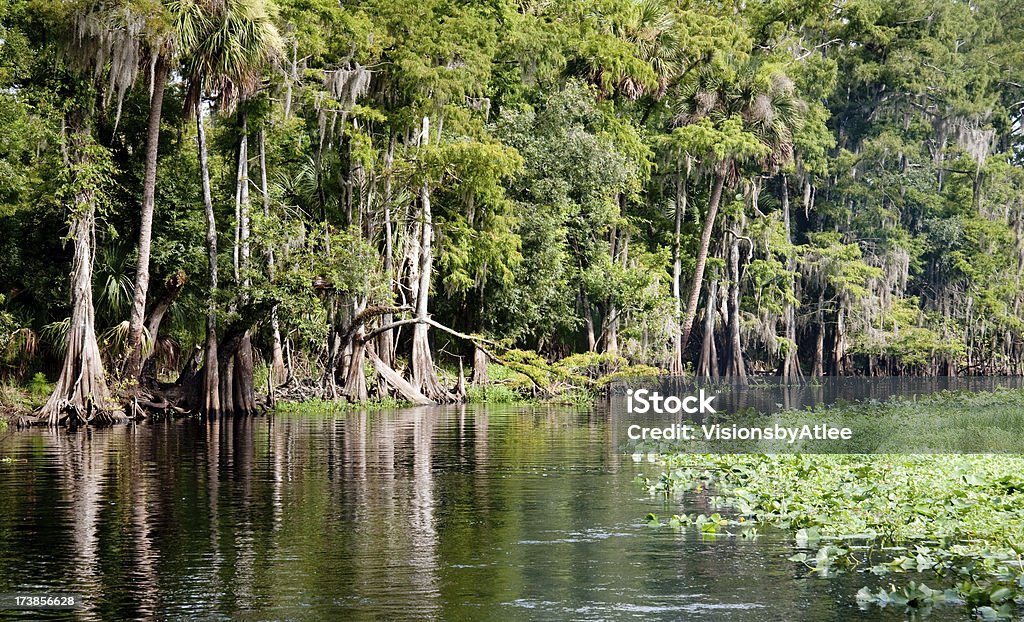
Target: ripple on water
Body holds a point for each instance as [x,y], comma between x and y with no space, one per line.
[432,514]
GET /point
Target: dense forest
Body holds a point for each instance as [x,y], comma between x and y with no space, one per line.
[358,199]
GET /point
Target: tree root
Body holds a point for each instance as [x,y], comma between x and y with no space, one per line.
[68,413]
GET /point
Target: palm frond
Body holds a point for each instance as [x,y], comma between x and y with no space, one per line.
[56,334]
[226,47]
[115,340]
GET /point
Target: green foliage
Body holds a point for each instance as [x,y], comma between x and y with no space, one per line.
[492,394]
[950,516]
[902,336]
[23,399]
[870,156]
[477,243]
[39,387]
[318,407]
[7,327]
[603,369]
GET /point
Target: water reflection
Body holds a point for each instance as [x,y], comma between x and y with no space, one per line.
[446,514]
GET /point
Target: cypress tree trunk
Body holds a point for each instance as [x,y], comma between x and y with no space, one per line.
[244,395]
[135,323]
[611,321]
[172,287]
[479,365]
[737,369]
[839,352]
[790,367]
[708,364]
[237,390]
[81,395]
[588,318]
[355,380]
[386,340]
[424,377]
[676,364]
[329,379]
[818,368]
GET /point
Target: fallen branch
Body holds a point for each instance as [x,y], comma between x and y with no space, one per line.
[477,339]
[365,316]
[392,377]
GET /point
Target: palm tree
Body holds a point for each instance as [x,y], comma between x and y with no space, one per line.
[225,49]
[650,27]
[160,44]
[749,114]
[647,29]
[119,38]
[104,40]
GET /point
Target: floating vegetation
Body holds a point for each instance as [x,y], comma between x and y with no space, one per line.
[956,519]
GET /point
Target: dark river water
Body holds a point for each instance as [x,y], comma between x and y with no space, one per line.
[462,513]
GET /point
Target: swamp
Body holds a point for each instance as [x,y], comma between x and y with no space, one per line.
[330,309]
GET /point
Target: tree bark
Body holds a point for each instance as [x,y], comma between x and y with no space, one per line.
[479,365]
[676,364]
[394,379]
[242,213]
[611,318]
[424,376]
[172,287]
[277,372]
[708,364]
[386,341]
[790,367]
[237,390]
[135,322]
[81,395]
[211,371]
[702,258]
[355,380]
[818,368]
[588,318]
[737,369]
[839,351]
[243,393]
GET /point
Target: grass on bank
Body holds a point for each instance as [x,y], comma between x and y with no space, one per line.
[22,399]
[320,406]
[956,519]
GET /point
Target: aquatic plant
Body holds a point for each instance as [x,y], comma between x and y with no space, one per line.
[956,518]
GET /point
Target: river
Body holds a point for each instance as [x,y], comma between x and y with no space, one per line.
[459,513]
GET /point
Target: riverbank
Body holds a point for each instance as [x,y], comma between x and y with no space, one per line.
[20,401]
[953,520]
[524,378]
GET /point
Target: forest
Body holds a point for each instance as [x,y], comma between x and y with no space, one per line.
[208,206]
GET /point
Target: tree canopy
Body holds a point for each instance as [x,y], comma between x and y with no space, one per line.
[805,187]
